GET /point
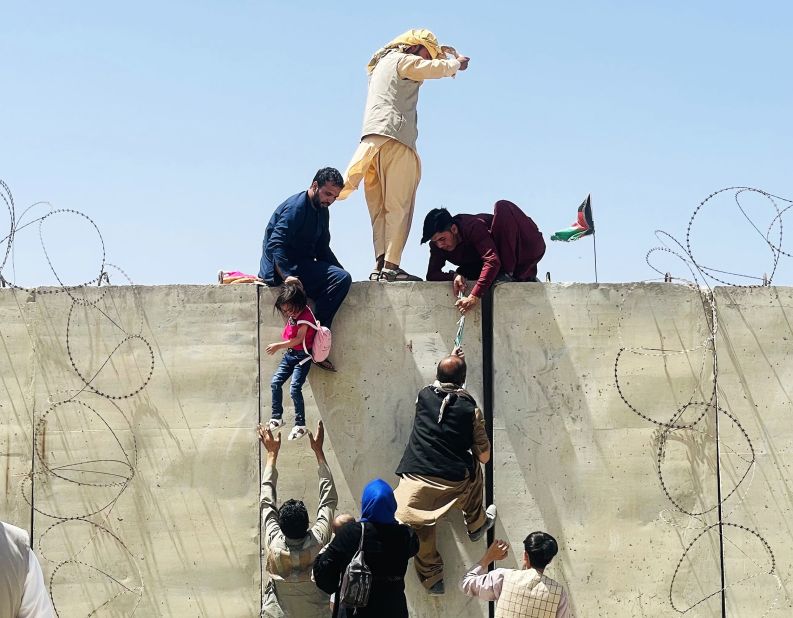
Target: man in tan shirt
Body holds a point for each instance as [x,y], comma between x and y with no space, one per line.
[386,158]
[291,546]
[441,468]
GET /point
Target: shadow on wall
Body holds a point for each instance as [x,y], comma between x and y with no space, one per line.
[391,338]
[756,373]
[387,342]
[184,520]
[573,459]
[389,345]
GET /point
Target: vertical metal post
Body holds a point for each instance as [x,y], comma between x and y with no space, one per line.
[487,407]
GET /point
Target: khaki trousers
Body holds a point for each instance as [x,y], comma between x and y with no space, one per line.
[423,500]
[391,172]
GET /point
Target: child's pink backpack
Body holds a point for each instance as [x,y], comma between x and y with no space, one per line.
[320,349]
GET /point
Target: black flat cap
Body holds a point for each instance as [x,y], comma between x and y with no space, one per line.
[437,220]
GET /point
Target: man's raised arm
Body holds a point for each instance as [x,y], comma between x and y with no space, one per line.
[269,480]
[328,498]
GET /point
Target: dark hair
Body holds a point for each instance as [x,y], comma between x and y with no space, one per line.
[291,294]
[331,175]
[541,548]
[451,369]
[293,519]
[437,220]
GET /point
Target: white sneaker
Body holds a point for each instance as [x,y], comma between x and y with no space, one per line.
[298,431]
[490,514]
[274,424]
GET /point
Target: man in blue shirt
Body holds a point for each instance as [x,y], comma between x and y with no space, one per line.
[297,244]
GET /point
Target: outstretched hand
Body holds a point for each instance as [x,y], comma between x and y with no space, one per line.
[318,441]
[463,60]
[271,444]
[498,550]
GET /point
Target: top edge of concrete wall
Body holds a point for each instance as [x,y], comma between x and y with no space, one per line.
[555,284]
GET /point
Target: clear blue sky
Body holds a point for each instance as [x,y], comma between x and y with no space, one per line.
[179,126]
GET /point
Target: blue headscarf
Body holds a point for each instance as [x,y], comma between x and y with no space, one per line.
[378,504]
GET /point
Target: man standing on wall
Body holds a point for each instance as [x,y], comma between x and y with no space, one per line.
[526,593]
[386,158]
[504,246]
[291,546]
[297,244]
[441,467]
[22,590]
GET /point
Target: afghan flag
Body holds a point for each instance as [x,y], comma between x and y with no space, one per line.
[583,226]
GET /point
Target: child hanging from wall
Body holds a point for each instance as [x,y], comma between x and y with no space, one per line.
[297,340]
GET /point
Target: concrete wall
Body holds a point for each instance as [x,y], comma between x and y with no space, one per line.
[148,503]
[571,457]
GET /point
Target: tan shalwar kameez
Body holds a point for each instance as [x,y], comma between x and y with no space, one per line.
[391,168]
[423,500]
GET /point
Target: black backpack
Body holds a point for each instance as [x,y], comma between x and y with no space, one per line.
[356,584]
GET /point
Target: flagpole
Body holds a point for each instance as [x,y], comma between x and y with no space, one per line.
[595,250]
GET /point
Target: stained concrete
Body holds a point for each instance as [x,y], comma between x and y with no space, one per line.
[17,369]
[756,387]
[388,340]
[157,493]
[574,460]
[571,456]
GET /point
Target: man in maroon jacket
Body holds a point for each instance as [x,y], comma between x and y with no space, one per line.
[503,246]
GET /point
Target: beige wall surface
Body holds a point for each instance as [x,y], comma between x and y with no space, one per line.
[571,457]
[755,388]
[17,368]
[146,492]
[146,484]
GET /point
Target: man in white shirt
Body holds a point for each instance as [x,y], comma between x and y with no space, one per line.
[520,593]
[22,590]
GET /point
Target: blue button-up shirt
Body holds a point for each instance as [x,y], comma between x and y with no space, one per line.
[297,231]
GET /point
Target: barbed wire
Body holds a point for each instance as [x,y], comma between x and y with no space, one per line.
[106,479]
[699,278]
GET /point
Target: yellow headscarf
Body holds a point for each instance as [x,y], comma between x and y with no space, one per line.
[417,36]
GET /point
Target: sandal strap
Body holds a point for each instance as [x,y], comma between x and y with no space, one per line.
[397,275]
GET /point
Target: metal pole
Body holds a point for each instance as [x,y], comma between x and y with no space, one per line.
[487,408]
[595,250]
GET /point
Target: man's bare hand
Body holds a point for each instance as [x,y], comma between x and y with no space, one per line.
[318,441]
[498,550]
[463,60]
[459,285]
[467,303]
[271,444]
[293,279]
[458,351]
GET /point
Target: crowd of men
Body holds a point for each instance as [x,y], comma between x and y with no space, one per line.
[441,468]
